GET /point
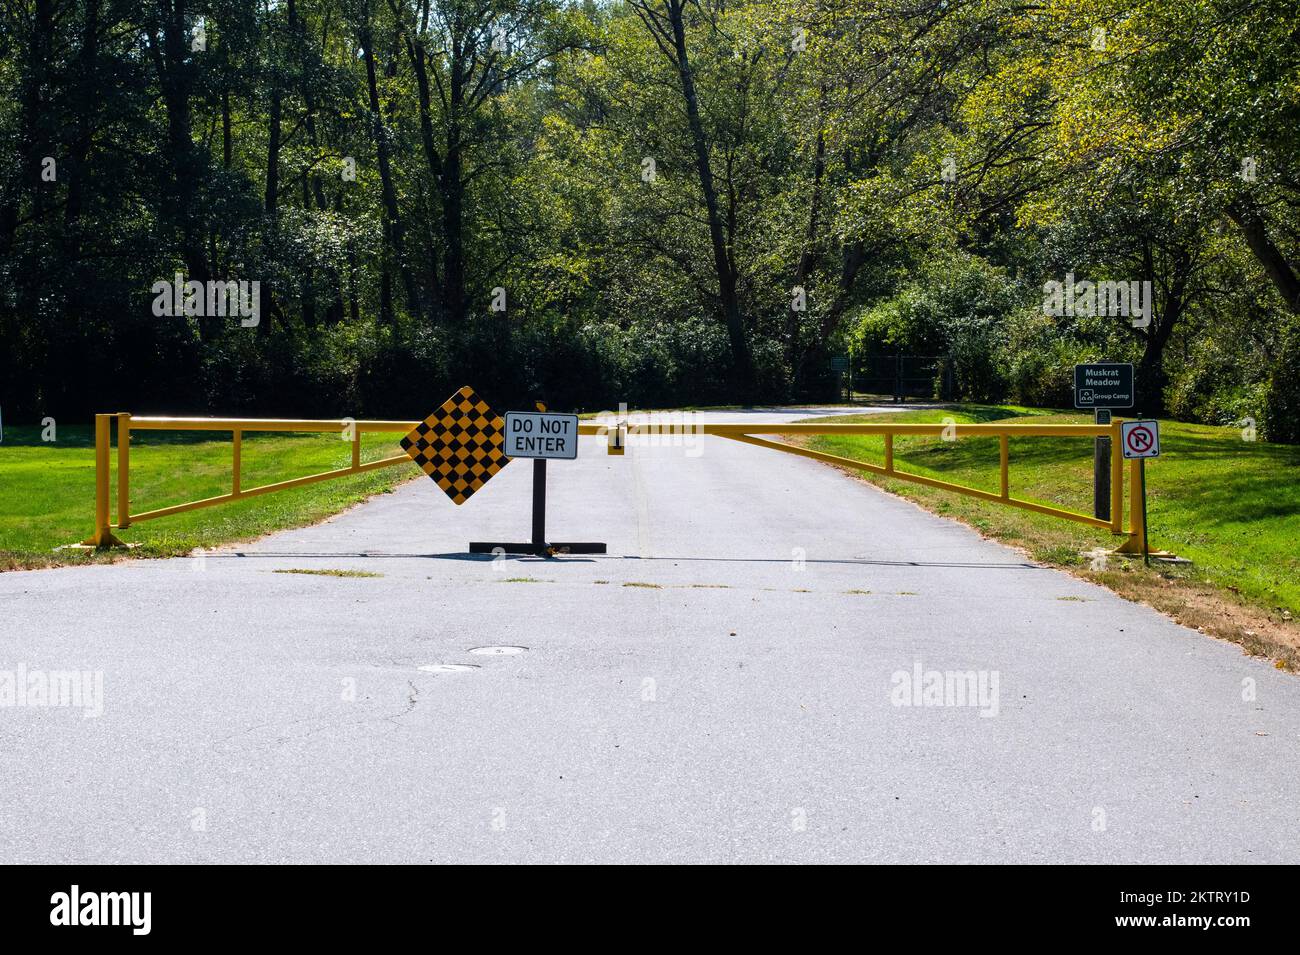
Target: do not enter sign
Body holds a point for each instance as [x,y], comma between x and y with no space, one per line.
[541,435]
[1140,439]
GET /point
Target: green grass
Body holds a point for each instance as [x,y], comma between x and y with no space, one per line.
[1229,505]
[49,489]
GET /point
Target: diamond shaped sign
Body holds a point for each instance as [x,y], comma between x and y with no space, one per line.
[460,445]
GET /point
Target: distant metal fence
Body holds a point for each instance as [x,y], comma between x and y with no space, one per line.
[924,377]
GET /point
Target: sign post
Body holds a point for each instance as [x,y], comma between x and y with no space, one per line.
[541,436]
[1101,469]
[1146,540]
[1141,440]
[1102,386]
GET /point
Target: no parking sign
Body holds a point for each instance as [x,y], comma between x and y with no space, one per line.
[1140,439]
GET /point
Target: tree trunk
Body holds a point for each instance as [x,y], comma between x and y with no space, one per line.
[724,264]
[32,118]
[811,246]
[86,110]
[452,186]
[334,281]
[392,219]
[273,152]
[186,166]
[1276,267]
[1152,378]
[416,52]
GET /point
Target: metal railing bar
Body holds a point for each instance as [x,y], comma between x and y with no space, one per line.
[920,479]
[960,430]
[266,424]
[267,488]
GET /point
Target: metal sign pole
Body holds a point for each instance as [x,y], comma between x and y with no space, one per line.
[1142,480]
[1101,469]
[539,503]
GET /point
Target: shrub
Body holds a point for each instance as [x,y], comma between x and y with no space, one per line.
[1038,360]
[956,306]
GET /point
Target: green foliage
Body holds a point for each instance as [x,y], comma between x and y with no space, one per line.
[879,174]
[1039,360]
[1282,400]
[956,305]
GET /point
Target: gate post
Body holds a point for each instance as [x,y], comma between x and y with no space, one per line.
[1136,519]
[123,469]
[103,536]
[1116,479]
[1101,469]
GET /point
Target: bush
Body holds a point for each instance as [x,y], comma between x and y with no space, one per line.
[956,306]
[1038,360]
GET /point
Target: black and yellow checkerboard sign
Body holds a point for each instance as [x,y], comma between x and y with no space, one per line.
[460,445]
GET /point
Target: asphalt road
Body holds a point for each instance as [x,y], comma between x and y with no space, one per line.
[728,685]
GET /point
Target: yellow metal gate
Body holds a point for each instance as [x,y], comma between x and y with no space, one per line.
[616,435]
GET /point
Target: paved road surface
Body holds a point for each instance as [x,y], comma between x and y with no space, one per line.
[722,687]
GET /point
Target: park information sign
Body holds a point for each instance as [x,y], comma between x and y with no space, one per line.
[1140,439]
[1103,385]
[541,435]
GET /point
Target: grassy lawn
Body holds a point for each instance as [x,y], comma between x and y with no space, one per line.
[1230,506]
[49,489]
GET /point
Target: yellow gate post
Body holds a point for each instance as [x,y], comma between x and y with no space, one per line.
[1135,526]
[237,462]
[1116,478]
[103,535]
[123,469]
